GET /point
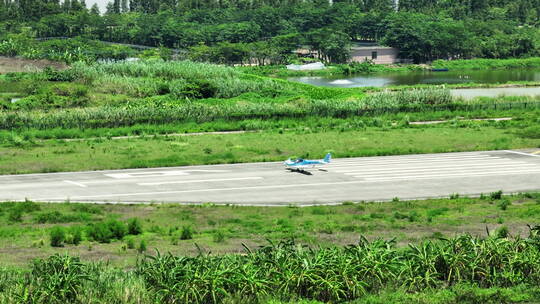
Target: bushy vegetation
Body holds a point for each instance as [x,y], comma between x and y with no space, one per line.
[182,79]
[326,263]
[58,236]
[64,50]
[289,272]
[106,231]
[268,31]
[159,92]
[153,83]
[113,117]
[336,274]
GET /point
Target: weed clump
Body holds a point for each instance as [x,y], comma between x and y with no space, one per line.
[15,215]
[57,279]
[186,233]
[134,226]
[142,246]
[503,205]
[104,232]
[130,243]
[218,236]
[502,232]
[54,217]
[58,236]
[496,195]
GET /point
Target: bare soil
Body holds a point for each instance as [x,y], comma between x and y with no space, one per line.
[16,64]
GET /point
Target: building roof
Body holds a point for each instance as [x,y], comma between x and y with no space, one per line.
[372,48]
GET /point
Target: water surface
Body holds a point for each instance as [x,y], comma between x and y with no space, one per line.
[423,77]
[495,92]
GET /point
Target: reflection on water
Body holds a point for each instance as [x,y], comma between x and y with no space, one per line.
[423,77]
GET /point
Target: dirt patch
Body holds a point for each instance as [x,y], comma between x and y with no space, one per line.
[16,64]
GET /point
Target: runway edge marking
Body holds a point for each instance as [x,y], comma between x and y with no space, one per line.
[75,183]
[521,153]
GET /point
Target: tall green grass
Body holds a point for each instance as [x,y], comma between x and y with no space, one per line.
[286,271]
[112,117]
[184,79]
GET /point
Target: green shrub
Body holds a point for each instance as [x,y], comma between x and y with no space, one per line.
[99,232]
[53,217]
[496,195]
[327,229]
[58,236]
[400,216]
[130,243]
[454,196]
[52,74]
[218,236]
[86,208]
[134,226]
[350,273]
[117,228]
[321,210]
[74,235]
[503,205]
[15,215]
[502,232]
[142,246]
[27,206]
[57,279]
[186,233]
[437,212]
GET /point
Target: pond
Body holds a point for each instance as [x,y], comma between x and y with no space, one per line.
[423,77]
[495,92]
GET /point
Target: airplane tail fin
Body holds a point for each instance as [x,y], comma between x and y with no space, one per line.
[328,158]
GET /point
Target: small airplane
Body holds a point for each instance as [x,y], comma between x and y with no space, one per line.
[300,164]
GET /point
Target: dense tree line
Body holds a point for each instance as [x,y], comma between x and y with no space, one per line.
[231,31]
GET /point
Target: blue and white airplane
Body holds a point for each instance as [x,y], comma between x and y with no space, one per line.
[301,164]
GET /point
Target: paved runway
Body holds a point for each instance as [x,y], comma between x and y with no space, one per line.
[351,179]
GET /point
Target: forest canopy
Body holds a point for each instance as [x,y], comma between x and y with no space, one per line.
[228,31]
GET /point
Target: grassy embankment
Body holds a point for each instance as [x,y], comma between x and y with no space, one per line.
[464,269]
[159,97]
[22,156]
[360,68]
[488,64]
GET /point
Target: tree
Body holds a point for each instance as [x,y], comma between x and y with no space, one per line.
[282,47]
[95,9]
[261,52]
[331,45]
[409,32]
[231,53]
[124,7]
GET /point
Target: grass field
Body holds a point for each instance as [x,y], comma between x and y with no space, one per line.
[274,145]
[245,254]
[25,227]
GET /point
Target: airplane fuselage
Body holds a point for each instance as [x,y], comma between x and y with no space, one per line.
[300,164]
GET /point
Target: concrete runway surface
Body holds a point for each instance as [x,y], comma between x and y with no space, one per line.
[350,179]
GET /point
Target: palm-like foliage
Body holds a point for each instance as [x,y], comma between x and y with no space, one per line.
[284,270]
